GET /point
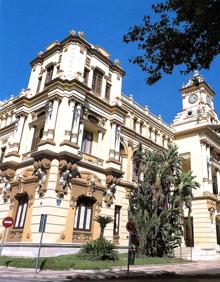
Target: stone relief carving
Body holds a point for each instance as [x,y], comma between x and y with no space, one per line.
[68,171]
[6,177]
[111,182]
[211,205]
[40,171]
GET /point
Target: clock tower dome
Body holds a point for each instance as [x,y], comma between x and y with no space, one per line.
[197,104]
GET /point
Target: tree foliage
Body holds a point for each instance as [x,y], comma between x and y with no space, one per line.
[103,221]
[186,32]
[156,205]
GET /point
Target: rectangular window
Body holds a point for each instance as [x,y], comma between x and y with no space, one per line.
[141,128]
[86,76]
[188,232]
[107,91]
[21,212]
[87,142]
[116,220]
[2,154]
[134,124]
[49,74]
[83,215]
[39,84]
[97,82]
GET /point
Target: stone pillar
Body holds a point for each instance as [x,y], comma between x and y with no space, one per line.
[69,120]
[44,74]
[138,126]
[117,138]
[90,78]
[16,139]
[76,121]
[144,130]
[19,128]
[100,136]
[3,123]
[209,163]
[49,108]
[30,137]
[113,133]
[127,121]
[52,122]
[8,119]
[103,86]
[80,135]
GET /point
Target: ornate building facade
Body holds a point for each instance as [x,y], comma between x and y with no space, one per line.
[67,145]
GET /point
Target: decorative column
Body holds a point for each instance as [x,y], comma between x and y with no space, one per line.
[30,137]
[100,136]
[113,138]
[138,126]
[80,134]
[144,130]
[90,78]
[52,122]
[103,86]
[3,121]
[69,120]
[49,108]
[76,121]
[8,119]
[16,139]
[209,163]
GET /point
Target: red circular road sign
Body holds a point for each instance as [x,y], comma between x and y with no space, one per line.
[7,222]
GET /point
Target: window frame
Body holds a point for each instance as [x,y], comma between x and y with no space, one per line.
[88,205]
[21,215]
[116,224]
[49,75]
[97,82]
[87,143]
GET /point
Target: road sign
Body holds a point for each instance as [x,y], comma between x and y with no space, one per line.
[7,222]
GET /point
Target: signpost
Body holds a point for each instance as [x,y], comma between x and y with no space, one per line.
[133,240]
[42,226]
[7,222]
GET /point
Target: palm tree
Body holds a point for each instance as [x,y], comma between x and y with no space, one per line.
[103,221]
[156,206]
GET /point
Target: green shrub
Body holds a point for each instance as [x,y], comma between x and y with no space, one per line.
[99,249]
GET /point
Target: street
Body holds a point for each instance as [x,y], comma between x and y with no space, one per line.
[113,280]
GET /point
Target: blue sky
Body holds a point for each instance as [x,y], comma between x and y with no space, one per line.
[28,26]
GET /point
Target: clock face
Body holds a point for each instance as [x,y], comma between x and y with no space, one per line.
[208,100]
[193,98]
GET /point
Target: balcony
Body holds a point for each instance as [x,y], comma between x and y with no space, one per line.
[92,159]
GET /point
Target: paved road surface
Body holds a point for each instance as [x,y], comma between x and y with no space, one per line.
[138,280]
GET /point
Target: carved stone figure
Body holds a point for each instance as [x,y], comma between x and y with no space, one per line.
[42,176]
[111,182]
[65,179]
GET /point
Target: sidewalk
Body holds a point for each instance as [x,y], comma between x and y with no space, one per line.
[195,269]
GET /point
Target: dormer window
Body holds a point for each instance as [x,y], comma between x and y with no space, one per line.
[49,74]
[97,82]
[39,84]
[86,76]
[107,91]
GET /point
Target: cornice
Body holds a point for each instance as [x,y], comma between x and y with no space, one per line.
[139,138]
[194,88]
[204,129]
[58,46]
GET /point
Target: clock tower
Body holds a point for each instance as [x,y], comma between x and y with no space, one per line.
[197,104]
